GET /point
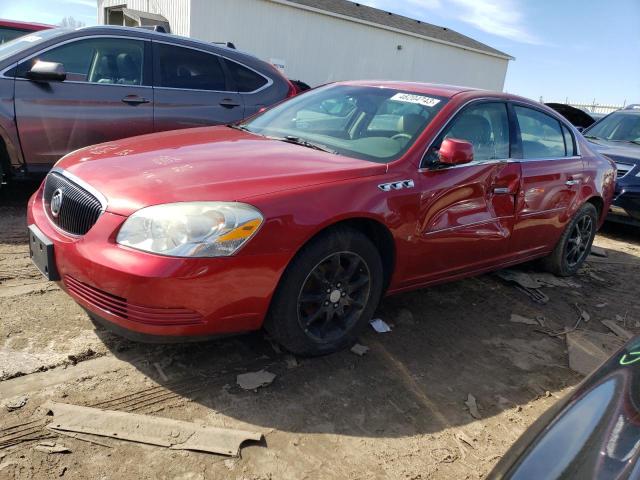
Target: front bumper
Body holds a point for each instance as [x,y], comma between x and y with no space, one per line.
[626,205]
[155,295]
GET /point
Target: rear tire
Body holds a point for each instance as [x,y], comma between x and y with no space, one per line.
[327,294]
[575,244]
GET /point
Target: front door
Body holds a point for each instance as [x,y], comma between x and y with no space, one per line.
[192,89]
[551,177]
[467,211]
[105,97]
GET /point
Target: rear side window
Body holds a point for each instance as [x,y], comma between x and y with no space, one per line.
[569,143]
[96,60]
[188,69]
[246,79]
[542,135]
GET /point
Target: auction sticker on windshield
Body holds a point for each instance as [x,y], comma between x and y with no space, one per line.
[419,99]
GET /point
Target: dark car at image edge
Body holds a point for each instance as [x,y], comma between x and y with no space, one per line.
[617,136]
[61,90]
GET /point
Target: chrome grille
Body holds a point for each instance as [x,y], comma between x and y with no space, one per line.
[78,211]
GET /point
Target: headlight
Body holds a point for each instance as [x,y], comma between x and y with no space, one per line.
[191,229]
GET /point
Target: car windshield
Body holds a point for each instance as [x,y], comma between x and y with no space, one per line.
[619,126]
[370,123]
[14,46]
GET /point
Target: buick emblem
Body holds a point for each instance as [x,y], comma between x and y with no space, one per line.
[56,203]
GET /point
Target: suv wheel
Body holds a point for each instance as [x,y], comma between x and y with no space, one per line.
[575,244]
[328,294]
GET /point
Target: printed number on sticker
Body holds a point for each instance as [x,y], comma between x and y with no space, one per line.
[419,99]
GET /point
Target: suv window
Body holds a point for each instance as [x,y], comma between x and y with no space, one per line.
[246,79]
[96,60]
[8,33]
[185,68]
[485,126]
[542,135]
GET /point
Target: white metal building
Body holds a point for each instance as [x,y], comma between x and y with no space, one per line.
[319,41]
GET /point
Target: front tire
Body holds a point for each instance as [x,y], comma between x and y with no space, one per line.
[328,294]
[575,244]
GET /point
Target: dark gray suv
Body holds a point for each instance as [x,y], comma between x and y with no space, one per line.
[61,90]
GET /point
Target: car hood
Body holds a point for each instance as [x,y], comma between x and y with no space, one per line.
[626,155]
[210,163]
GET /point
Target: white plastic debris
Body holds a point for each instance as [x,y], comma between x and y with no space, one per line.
[380,325]
[359,349]
[515,318]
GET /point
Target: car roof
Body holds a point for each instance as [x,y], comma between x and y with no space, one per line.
[437,89]
[25,25]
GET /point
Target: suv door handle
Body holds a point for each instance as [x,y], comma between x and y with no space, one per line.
[135,99]
[228,103]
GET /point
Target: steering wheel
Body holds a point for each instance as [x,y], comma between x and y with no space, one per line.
[398,136]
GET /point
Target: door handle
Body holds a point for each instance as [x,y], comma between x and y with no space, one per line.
[135,100]
[228,103]
[572,182]
[502,191]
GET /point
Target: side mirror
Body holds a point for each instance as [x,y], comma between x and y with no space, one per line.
[47,72]
[455,152]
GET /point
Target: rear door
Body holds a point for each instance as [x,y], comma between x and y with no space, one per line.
[467,211]
[552,174]
[192,89]
[106,96]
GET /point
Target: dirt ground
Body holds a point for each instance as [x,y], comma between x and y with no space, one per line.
[397,412]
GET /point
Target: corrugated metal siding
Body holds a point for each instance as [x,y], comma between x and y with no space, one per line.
[318,48]
[176,11]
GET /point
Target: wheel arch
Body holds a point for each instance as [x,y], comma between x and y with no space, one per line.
[597,202]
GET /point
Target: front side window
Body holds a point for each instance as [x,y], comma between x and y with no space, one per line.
[115,61]
[541,134]
[621,126]
[185,68]
[376,124]
[485,126]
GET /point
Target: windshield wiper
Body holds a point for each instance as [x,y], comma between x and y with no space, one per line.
[305,143]
[237,126]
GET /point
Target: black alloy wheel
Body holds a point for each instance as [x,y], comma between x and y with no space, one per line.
[334,296]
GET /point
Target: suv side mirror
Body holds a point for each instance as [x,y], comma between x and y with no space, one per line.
[47,72]
[455,152]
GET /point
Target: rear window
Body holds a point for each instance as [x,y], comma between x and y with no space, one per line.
[246,79]
[188,69]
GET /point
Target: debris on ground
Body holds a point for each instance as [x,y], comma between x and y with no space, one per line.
[596,277]
[598,252]
[51,447]
[359,349]
[617,329]
[292,362]
[16,403]
[521,278]
[163,432]
[380,325]
[546,279]
[255,380]
[526,283]
[515,318]
[160,371]
[588,350]
[601,305]
[472,405]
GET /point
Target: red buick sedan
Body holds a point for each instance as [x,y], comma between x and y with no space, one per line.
[300,219]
